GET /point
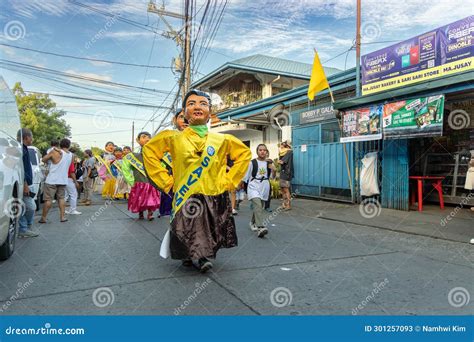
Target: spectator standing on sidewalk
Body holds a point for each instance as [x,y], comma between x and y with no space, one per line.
[71,189]
[286,173]
[57,179]
[25,136]
[258,188]
[90,173]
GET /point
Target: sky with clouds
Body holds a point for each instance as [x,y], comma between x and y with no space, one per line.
[286,29]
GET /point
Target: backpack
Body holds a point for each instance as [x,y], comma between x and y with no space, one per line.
[254,173]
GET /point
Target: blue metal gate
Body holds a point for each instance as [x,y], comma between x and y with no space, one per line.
[395,193]
[320,168]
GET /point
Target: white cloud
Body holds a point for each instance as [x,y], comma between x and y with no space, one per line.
[128,35]
[90,74]
[152,80]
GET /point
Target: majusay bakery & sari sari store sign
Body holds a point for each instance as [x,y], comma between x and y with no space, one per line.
[444,51]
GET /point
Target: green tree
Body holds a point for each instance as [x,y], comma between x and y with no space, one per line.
[76,149]
[39,113]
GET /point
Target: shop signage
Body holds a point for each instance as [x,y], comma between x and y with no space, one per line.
[416,117]
[444,51]
[362,124]
[317,114]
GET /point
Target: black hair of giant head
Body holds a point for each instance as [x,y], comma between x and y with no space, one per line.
[178,111]
[197,93]
[143,133]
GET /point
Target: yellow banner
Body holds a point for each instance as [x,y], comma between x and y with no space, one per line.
[186,186]
[105,163]
[138,165]
[463,65]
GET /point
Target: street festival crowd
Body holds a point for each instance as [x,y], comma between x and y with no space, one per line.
[195,177]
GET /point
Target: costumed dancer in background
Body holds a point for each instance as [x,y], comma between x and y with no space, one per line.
[105,172]
[179,122]
[126,150]
[121,186]
[143,195]
[201,220]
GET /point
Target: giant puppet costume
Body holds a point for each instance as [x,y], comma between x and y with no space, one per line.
[121,186]
[105,171]
[143,195]
[201,220]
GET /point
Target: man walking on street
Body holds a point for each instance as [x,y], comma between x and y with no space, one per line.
[88,177]
[57,179]
[26,219]
[258,188]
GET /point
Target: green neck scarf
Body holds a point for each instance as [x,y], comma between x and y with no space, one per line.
[201,130]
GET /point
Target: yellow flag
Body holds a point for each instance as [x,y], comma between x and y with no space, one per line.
[318,79]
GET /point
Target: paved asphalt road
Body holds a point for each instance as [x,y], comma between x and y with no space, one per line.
[106,262]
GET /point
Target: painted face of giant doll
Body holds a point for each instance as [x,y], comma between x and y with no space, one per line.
[110,147]
[198,110]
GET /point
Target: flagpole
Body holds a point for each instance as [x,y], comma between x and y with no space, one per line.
[349,177]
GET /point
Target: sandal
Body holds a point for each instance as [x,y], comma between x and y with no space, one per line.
[42,221]
[65,220]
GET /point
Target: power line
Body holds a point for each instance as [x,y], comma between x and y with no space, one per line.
[115,16]
[103,132]
[113,116]
[96,100]
[86,58]
[84,78]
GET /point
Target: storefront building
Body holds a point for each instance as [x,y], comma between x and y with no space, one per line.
[416,115]
[323,166]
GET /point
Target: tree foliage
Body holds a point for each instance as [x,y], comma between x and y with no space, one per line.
[39,113]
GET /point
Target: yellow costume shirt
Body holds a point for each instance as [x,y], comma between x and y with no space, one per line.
[185,149]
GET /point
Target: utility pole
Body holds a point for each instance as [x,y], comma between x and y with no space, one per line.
[358,48]
[185,43]
[133,135]
[187,49]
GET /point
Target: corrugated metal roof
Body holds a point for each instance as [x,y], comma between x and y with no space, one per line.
[268,65]
[274,64]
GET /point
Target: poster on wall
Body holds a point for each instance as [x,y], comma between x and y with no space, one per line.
[362,124]
[443,51]
[412,118]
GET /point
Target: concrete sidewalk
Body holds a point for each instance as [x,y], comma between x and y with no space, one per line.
[452,223]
